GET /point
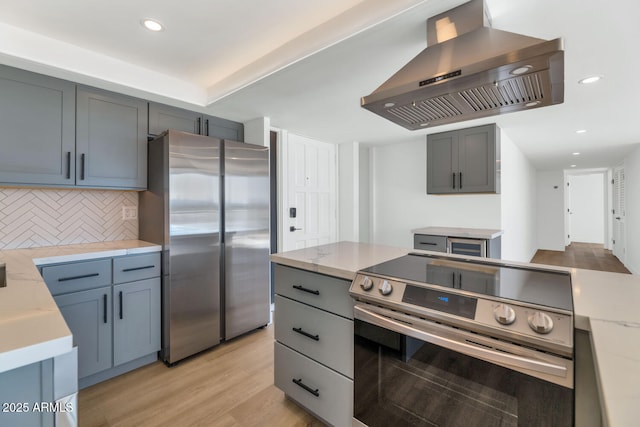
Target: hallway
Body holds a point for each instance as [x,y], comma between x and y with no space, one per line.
[591,256]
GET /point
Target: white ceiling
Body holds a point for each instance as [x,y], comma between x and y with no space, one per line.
[305,65]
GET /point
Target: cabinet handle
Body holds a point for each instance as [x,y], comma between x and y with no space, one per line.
[303,289]
[120,298]
[306,334]
[454,180]
[82,166]
[84,276]
[299,383]
[428,243]
[206,127]
[461,180]
[199,125]
[453,279]
[68,165]
[104,308]
[125,270]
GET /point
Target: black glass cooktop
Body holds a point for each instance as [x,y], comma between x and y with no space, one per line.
[541,287]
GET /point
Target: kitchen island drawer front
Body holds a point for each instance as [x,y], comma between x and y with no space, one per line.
[319,389]
[322,336]
[77,276]
[427,242]
[325,292]
[136,267]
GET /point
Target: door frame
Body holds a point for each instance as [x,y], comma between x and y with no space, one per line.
[608,204]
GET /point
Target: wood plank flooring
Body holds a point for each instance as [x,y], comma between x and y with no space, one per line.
[591,256]
[228,386]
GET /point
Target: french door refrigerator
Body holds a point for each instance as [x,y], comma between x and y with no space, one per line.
[207,204]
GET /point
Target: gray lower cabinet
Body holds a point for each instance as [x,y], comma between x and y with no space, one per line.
[111,140]
[37,119]
[116,327]
[88,315]
[464,161]
[313,353]
[163,117]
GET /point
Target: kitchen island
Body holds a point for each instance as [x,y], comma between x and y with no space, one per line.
[612,322]
[34,337]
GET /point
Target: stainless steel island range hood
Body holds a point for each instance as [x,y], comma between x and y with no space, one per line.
[470,70]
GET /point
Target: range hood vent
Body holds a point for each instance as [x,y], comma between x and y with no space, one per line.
[475,72]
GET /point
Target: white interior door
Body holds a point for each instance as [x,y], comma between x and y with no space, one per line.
[309,216]
[618,214]
[587,208]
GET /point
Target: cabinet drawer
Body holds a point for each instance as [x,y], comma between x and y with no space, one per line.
[325,292]
[327,394]
[428,242]
[136,267]
[77,276]
[319,335]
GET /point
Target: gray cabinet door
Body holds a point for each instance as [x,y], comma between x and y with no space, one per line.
[163,117]
[89,316]
[223,129]
[442,163]
[136,311]
[23,388]
[37,119]
[111,140]
[477,159]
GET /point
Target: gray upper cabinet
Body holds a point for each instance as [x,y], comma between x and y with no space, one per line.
[111,140]
[37,118]
[163,117]
[464,161]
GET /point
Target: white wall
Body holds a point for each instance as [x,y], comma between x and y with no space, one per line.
[400,202]
[550,210]
[518,207]
[365,195]
[632,186]
[348,191]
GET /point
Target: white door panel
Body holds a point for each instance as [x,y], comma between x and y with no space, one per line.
[619,214]
[310,188]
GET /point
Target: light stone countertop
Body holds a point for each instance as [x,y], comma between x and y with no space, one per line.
[606,304]
[31,326]
[471,233]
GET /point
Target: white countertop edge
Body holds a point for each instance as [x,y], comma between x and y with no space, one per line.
[93,255]
[474,233]
[24,356]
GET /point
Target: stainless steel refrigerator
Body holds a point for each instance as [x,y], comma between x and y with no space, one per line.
[207,204]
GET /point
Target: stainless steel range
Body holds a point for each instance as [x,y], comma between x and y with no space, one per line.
[455,342]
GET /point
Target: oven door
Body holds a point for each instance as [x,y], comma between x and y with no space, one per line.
[413,372]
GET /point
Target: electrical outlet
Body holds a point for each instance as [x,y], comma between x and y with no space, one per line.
[129,212]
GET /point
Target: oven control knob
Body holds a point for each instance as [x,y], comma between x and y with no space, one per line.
[385,287]
[504,314]
[366,284]
[540,322]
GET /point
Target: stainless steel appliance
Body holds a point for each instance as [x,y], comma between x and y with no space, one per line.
[208,205]
[473,247]
[452,342]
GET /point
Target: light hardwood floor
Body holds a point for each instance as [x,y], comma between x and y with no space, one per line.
[591,256]
[230,385]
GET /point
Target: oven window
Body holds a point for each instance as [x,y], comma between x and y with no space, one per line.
[401,381]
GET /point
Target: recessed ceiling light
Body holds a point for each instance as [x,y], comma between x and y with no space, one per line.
[576,153]
[581,131]
[152,25]
[588,80]
[521,70]
[573,166]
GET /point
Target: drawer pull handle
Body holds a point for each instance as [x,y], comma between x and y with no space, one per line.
[299,383]
[84,276]
[429,243]
[126,270]
[307,334]
[303,289]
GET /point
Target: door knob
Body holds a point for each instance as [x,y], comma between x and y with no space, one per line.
[292,228]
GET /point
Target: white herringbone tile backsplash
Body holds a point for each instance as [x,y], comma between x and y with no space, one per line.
[31,218]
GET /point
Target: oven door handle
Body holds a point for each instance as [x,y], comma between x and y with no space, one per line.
[467,348]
